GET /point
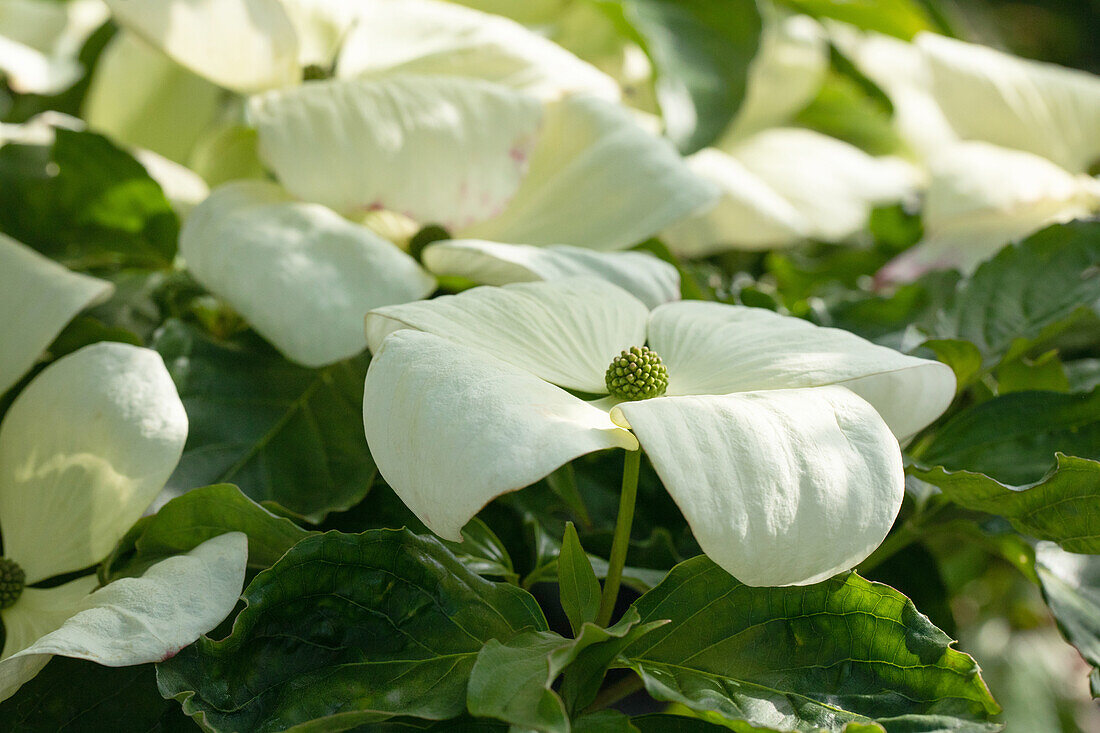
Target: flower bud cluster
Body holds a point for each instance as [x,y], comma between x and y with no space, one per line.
[636,374]
[12,579]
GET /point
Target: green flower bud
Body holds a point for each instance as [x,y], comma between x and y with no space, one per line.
[12,579]
[636,374]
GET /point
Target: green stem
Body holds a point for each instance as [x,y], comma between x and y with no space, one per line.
[621,542]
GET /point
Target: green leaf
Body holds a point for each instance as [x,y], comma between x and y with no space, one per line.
[1027,293]
[1063,507]
[962,356]
[604,721]
[701,51]
[846,650]
[1044,373]
[189,520]
[346,630]
[1013,438]
[844,110]
[511,680]
[283,433]
[76,696]
[481,551]
[901,18]
[86,203]
[577,584]
[1071,587]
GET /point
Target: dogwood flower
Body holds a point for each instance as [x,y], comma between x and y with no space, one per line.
[480,159]
[41,39]
[84,448]
[1008,144]
[176,56]
[776,438]
[782,185]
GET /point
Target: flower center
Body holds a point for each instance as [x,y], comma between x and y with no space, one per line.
[12,579]
[636,374]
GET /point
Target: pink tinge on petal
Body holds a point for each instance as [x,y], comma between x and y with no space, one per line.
[905,268]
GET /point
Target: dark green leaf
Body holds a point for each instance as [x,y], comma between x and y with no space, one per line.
[76,696]
[604,721]
[701,51]
[86,203]
[346,630]
[1063,507]
[1071,586]
[481,551]
[281,432]
[577,584]
[511,680]
[846,650]
[189,520]
[1027,293]
[1013,438]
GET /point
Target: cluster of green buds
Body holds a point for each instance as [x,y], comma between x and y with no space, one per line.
[636,374]
[12,580]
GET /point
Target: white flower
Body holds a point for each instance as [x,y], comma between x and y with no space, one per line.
[84,449]
[483,160]
[1007,143]
[776,438]
[158,84]
[38,297]
[783,185]
[41,39]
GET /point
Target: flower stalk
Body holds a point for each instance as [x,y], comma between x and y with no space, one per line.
[621,541]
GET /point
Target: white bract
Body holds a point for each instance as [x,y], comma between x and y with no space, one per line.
[158,83]
[41,39]
[775,437]
[38,297]
[1008,143]
[84,449]
[483,160]
[783,185]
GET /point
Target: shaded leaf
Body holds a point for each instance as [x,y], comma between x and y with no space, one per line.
[846,650]
[579,590]
[1063,507]
[1013,438]
[1071,587]
[77,696]
[481,551]
[701,51]
[511,680]
[281,432]
[189,520]
[346,630]
[86,203]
